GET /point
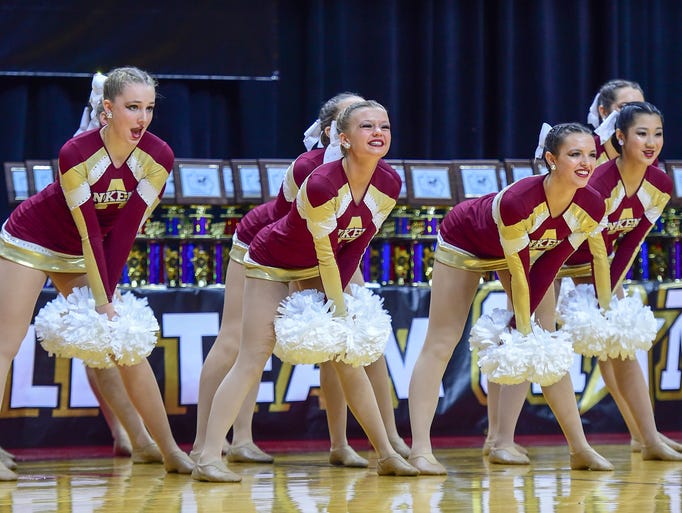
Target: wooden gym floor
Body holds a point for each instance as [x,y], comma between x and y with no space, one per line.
[304,482]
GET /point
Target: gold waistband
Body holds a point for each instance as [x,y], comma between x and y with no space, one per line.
[238,249]
[264,272]
[37,257]
[453,256]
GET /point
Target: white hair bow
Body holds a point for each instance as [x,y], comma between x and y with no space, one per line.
[89,119]
[608,126]
[311,137]
[593,113]
[333,151]
[541,140]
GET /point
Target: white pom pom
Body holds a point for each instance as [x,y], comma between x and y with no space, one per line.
[632,327]
[552,355]
[369,327]
[542,357]
[306,331]
[48,321]
[504,362]
[133,330]
[488,328]
[581,318]
[71,328]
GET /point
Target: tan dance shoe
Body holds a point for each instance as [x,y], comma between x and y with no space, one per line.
[589,459]
[676,446]
[400,446]
[6,454]
[507,456]
[6,474]
[395,465]
[178,462]
[9,463]
[427,465]
[215,472]
[247,453]
[147,454]
[660,452]
[488,444]
[347,457]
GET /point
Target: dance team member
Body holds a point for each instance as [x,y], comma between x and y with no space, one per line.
[106,384]
[635,193]
[525,233]
[319,243]
[611,97]
[226,346]
[79,231]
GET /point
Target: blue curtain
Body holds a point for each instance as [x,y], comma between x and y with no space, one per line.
[461,79]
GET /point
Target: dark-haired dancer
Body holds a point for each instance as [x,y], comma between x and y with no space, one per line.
[635,193]
[525,233]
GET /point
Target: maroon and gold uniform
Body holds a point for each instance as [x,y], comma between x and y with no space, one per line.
[88,220]
[629,219]
[326,231]
[514,230]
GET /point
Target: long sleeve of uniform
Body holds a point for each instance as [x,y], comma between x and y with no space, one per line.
[74,182]
[341,229]
[601,271]
[555,239]
[653,197]
[318,203]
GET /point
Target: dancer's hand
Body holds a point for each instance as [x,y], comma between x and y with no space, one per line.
[107,309]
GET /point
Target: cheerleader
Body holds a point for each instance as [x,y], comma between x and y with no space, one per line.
[226,346]
[319,243]
[130,435]
[525,233]
[635,192]
[79,232]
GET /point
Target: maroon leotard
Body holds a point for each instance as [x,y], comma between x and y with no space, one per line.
[629,219]
[514,229]
[88,221]
[325,229]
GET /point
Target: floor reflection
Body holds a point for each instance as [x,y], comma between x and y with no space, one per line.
[305,483]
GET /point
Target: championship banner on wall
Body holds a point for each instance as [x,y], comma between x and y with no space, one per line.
[49,403]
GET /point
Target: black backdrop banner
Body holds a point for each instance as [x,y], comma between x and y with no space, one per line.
[48,402]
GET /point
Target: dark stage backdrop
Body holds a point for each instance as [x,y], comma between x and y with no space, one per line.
[461,79]
[168,37]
